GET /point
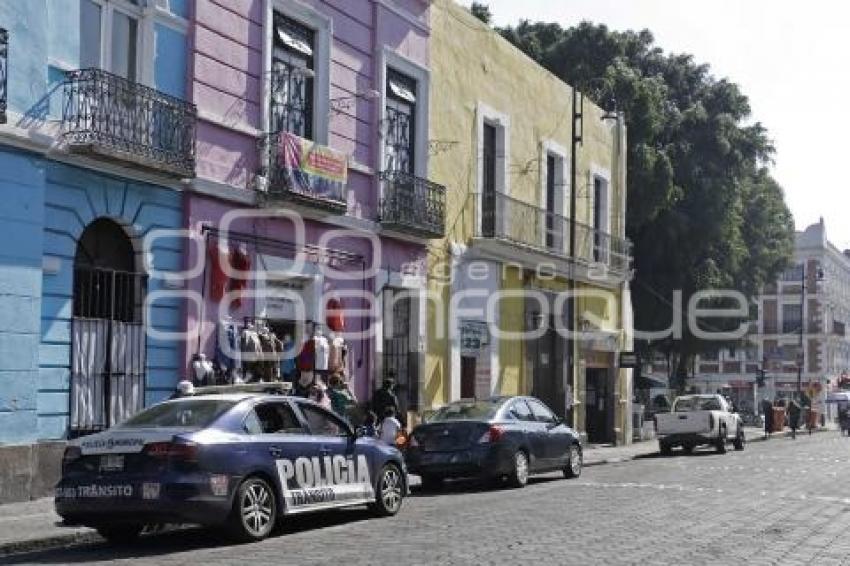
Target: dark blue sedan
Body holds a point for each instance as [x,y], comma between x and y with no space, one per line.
[241,461]
[499,438]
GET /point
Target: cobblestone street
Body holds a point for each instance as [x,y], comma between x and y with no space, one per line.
[778,502]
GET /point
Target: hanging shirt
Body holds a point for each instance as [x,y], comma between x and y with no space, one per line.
[241,261]
[218,255]
[322,349]
[335,355]
[287,365]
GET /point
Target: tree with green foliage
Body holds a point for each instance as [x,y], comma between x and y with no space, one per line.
[482,12]
[703,211]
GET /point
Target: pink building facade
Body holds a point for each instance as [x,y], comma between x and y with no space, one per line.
[337,85]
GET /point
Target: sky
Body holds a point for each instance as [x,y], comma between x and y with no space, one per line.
[791,58]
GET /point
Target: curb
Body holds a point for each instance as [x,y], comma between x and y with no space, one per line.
[48,543]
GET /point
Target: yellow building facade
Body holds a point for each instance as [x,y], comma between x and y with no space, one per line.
[502,280]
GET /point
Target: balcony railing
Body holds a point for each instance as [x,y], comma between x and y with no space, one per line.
[4,62]
[287,183]
[108,115]
[506,218]
[413,205]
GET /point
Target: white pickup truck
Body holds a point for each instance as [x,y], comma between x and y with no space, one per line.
[696,420]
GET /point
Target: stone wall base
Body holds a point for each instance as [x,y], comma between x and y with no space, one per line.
[29,471]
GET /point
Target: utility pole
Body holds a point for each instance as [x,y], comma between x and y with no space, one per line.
[801,358]
[576,139]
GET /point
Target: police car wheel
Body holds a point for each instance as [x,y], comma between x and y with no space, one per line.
[390,492]
[254,511]
[120,533]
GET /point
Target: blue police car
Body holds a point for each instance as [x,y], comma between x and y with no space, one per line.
[237,460]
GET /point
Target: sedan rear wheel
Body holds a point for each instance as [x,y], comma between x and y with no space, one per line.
[254,511]
[519,476]
[573,469]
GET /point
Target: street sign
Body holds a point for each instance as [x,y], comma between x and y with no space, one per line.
[629,360]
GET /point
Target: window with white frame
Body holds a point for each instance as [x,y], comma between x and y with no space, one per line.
[126,37]
[109,36]
[296,70]
[553,196]
[493,148]
[400,131]
[292,77]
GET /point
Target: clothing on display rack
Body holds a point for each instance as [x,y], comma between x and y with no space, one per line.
[322,350]
[335,318]
[218,255]
[287,364]
[227,349]
[336,363]
[241,261]
[202,370]
[252,352]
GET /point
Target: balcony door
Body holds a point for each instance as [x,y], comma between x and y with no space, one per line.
[488,185]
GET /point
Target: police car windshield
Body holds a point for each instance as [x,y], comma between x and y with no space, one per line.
[467,411]
[189,413]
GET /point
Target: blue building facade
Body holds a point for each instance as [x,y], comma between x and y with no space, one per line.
[97,142]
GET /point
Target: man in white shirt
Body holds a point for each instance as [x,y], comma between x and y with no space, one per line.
[389,427]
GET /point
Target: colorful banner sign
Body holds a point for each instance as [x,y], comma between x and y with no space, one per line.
[311,169]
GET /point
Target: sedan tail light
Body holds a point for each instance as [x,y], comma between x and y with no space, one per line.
[493,434]
[180,451]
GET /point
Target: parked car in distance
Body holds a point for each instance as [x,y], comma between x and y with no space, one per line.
[235,460]
[498,438]
[697,420]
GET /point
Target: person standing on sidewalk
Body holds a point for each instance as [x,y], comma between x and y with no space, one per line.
[794,416]
[767,410]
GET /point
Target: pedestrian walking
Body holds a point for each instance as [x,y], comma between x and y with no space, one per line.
[767,411]
[794,411]
[385,397]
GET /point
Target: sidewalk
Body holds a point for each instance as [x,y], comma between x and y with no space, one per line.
[34,525]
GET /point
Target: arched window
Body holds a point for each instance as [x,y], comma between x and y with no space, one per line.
[105,283]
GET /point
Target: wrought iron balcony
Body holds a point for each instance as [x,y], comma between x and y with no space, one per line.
[290,182]
[506,218]
[413,205]
[4,62]
[109,116]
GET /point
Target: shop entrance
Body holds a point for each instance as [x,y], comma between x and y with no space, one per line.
[467,377]
[598,405]
[107,330]
[398,360]
[548,360]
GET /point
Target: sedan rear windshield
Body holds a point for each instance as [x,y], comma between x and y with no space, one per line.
[469,411]
[688,404]
[189,413]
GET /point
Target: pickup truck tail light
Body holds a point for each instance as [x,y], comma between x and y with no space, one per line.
[711,421]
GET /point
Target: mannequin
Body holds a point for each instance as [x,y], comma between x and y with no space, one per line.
[202,370]
[322,350]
